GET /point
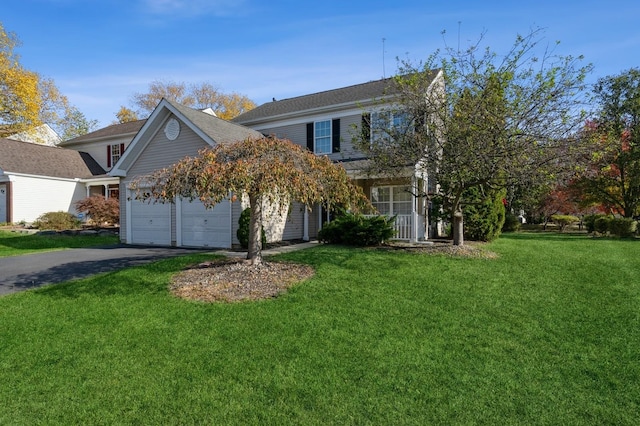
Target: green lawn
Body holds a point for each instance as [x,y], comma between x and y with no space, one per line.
[14,244]
[548,333]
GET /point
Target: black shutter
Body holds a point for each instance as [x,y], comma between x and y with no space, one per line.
[366,127]
[108,156]
[335,135]
[310,136]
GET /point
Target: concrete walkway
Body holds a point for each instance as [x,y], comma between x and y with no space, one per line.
[19,273]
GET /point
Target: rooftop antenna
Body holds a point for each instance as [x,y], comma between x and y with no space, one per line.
[459,23]
[384,74]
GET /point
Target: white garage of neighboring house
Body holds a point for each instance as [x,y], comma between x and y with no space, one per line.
[37,179]
[171,133]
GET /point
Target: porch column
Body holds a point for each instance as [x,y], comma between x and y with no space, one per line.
[106,191]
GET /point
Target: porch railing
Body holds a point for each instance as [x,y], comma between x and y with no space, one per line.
[403,226]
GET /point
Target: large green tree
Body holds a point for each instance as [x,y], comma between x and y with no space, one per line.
[265,169]
[612,175]
[490,121]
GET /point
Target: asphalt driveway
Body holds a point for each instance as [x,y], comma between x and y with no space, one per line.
[19,273]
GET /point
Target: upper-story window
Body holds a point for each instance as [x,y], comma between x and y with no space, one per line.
[323,136]
[114,152]
[387,126]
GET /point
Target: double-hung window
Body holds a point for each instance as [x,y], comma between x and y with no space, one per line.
[322,137]
[114,152]
[392,200]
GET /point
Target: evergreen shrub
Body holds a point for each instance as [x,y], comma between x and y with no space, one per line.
[358,230]
[243,229]
[622,226]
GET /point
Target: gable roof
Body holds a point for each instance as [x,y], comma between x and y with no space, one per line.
[218,129]
[213,130]
[41,160]
[114,130]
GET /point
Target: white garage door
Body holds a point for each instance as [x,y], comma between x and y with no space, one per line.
[150,223]
[3,203]
[201,227]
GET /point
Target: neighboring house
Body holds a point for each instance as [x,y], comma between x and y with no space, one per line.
[106,146]
[36,179]
[326,123]
[43,134]
[172,132]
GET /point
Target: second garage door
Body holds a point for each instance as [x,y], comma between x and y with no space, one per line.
[201,227]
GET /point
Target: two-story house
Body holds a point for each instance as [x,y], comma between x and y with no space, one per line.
[105,146]
[324,122]
[327,122]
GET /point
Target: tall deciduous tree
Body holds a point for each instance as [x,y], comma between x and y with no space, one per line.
[266,169]
[28,100]
[198,96]
[125,115]
[491,120]
[19,93]
[612,177]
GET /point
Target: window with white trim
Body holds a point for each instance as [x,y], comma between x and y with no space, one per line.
[322,137]
[392,200]
[114,152]
[389,125]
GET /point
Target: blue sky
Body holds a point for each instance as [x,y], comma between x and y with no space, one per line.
[101,52]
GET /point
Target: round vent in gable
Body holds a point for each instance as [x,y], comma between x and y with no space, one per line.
[172,129]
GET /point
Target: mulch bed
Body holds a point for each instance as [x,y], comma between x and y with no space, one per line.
[232,280]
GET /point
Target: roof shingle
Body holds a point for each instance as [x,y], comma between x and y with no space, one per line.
[42,160]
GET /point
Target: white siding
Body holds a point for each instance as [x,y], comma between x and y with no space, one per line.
[98,150]
[33,196]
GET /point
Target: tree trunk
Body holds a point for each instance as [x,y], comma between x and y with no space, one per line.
[458,227]
[254,252]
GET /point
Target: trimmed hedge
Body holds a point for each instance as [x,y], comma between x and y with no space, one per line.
[357,230]
[564,220]
[603,224]
[622,227]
